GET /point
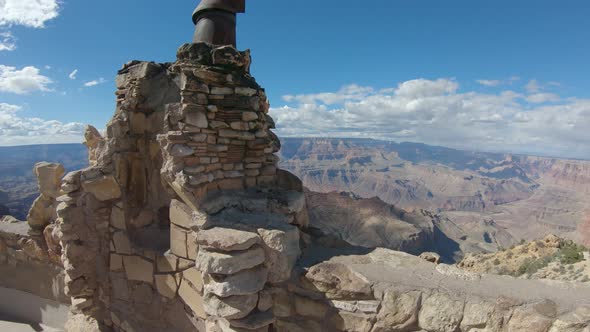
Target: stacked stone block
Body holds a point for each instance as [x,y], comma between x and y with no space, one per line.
[246,249]
[219,134]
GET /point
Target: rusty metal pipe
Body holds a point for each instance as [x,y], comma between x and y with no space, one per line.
[215,21]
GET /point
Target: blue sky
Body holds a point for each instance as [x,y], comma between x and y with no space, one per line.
[508,76]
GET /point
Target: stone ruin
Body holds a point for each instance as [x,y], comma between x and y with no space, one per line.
[184,222]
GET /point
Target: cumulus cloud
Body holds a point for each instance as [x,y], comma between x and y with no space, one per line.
[29,13]
[539,98]
[18,130]
[533,86]
[496,83]
[23,81]
[490,83]
[94,82]
[73,74]
[7,41]
[438,112]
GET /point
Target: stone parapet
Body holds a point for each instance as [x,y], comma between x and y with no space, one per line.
[377,290]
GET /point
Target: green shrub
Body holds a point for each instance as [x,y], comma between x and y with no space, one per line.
[531,265]
[571,253]
[496,261]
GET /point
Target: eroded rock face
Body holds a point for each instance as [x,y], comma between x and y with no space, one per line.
[42,212]
[337,281]
[92,140]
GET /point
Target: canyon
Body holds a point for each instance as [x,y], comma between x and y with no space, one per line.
[526,197]
[402,196]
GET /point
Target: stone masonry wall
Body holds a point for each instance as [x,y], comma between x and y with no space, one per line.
[183,221]
[218,136]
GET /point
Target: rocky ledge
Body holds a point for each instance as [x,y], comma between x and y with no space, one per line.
[384,290]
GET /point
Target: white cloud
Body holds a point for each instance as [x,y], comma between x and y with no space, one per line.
[8,108]
[18,130]
[349,92]
[495,83]
[23,81]
[7,41]
[73,74]
[533,86]
[425,88]
[29,13]
[437,112]
[539,98]
[490,83]
[95,82]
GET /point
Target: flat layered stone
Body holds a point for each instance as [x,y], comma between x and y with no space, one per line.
[227,239]
[180,150]
[255,321]
[244,91]
[195,277]
[104,188]
[399,311]
[229,263]
[221,91]
[310,308]
[299,326]
[282,251]
[442,313]
[178,241]
[249,116]
[180,214]
[116,262]
[192,297]
[338,281]
[167,285]
[242,283]
[122,244]
[197,119]
[139,269]
[346,321]
[232,307]
[476,314]
[118,218]
[529,319]
[167,263]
